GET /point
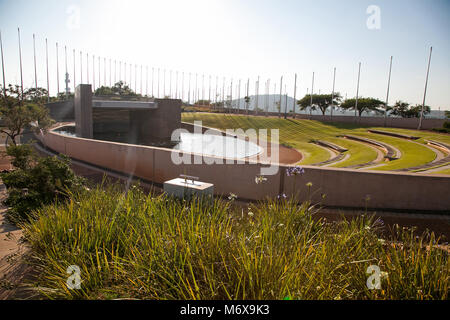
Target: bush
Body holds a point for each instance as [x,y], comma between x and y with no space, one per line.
[36,181]
[446,125]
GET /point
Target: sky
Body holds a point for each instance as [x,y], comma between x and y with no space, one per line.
[240,40]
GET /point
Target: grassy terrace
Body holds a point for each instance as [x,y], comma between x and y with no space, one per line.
[298,133]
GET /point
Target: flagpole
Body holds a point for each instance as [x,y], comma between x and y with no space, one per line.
[3,67]
[20,60]
[425,92]
[387,94]
[87,67]
[332,93]
[35,69]
[357,91]
[48,81]
[312,92]
[93,72]
[57,70]
[281,92]
[295,95]
[74,72]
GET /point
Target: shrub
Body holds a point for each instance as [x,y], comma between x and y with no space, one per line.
[36,181]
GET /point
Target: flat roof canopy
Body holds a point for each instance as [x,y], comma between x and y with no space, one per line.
[124,104]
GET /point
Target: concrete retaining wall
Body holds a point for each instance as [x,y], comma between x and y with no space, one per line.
[342,187]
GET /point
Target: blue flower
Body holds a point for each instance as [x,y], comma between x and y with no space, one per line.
[294,171]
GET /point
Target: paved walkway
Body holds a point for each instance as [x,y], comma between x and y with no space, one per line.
[13,269]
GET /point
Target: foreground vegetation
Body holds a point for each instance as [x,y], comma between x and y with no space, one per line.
[299,133]
[129,244]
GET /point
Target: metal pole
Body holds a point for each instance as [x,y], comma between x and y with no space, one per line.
[257,96]
[35,71]
[67,73]
[81,67]
[295,94]
[115,71]
[93,72]
[182,86]
[176,85]
[110,78]
[248,86]
[153,73]
[387,94]
[20,60]
[332,93]
[99,73]
[425,92]
[285,102]
[141,79]
[57,70]
[281,92]
[357,90]
[189,89]
[239,96]
[170,83]
[158,83]
[3,67]
[87,67]
[312,92]
[48,80]
[164,84]
[209,90]
[74,70]
[146,82]
[231,95]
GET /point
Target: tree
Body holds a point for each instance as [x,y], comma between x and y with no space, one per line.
[364,104]
[404,110]
[320,101]
[18,113]
[247,102]
[119,89]
[447,114]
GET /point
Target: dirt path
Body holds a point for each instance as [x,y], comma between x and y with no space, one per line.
[13,269]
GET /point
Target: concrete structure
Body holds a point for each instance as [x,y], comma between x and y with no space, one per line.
[140,121]
[185,188]
[342,188]
[83,111]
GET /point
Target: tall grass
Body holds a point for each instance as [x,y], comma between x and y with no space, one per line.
[133,245]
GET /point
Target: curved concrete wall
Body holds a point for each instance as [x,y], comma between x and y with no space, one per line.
[342,187]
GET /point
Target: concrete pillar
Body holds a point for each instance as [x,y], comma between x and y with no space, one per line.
[83,111]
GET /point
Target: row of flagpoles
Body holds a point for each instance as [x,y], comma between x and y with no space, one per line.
[193,93]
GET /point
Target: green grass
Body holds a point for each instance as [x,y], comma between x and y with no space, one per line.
[298,133]
[132,245]
[446,171]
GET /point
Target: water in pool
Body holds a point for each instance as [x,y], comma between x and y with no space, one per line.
[215,145]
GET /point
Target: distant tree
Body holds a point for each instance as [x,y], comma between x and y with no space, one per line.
[319,101]
[119,89]
[18,113]
[364,105]
[404,110]
[447,114]
[247,102]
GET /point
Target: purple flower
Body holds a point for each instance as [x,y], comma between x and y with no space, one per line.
[294,171]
